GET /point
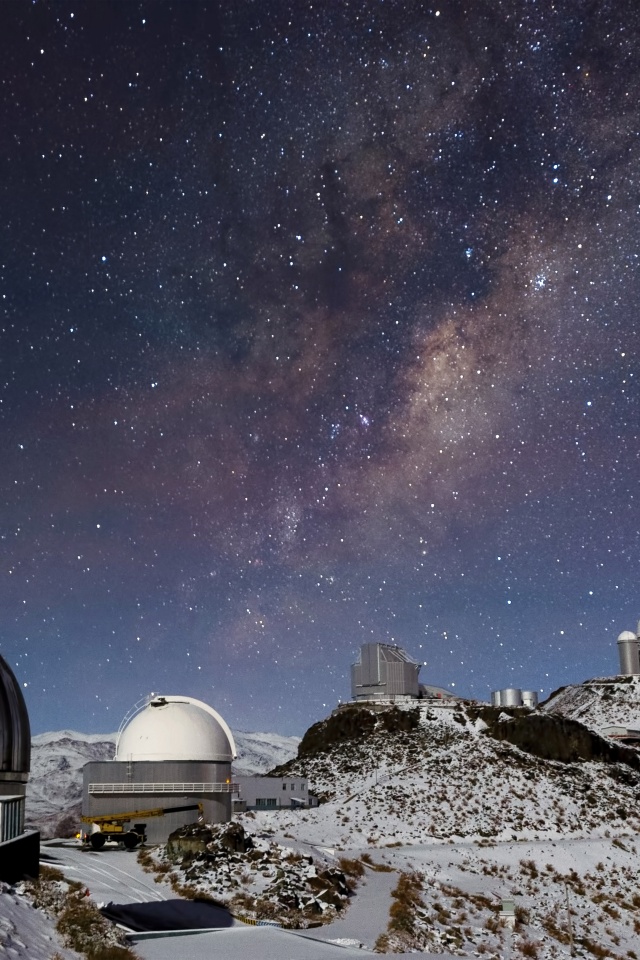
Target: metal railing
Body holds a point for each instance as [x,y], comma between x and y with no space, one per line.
[179,788]
[11,817]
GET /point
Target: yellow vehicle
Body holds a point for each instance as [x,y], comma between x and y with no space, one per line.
[118,826]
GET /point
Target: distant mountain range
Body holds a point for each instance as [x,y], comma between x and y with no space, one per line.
[54,792]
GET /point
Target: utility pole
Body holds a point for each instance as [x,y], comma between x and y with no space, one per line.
[569,923]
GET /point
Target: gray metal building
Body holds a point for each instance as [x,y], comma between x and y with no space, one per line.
[629,652]
[19,848]
[15,735]
[384,672]
[514,697]
[175,752]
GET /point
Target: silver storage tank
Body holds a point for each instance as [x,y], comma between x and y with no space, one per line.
[530,698]
[495,698]
[511,697]
[628,653]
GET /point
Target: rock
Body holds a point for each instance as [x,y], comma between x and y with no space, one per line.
[188,842]
[234,838]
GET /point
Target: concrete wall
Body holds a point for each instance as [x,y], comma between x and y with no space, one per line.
[20,857]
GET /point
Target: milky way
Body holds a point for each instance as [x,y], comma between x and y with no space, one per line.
[319,326]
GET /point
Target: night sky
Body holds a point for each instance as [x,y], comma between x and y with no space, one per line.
[319,326]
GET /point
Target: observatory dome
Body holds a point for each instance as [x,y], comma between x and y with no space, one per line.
[176,728]
[626,635]
[15,733]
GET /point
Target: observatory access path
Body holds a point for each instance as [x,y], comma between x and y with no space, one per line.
[110,875]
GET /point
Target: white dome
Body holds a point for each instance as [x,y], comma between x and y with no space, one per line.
[626,635]
[176,728]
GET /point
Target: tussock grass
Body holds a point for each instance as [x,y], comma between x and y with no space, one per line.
[78,920]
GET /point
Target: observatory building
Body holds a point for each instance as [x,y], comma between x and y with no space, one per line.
[384,672]
[172,765]
[629,652]
[19,850]
[514,697]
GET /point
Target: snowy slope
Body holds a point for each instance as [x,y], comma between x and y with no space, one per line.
[601,702]
[27,933]
[259,752]
[449,780]
[471,820]
[55,781]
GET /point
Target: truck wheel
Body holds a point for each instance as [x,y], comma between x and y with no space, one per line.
[97,841]
[131,840]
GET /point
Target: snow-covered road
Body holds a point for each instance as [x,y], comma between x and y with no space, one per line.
[110,875]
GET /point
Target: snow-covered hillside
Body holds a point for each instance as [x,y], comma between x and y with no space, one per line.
[448,779]
[438,813]
[259,752]
[465,819]
[598,703]
[54,792]
[27,933]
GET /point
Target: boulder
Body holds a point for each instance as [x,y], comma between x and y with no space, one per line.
[188,842]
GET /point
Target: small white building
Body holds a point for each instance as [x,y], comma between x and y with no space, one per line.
[272,793]
[621,734]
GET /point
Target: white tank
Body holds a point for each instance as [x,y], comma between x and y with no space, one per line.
[176,728]
[530,698]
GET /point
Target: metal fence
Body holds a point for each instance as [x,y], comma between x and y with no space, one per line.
[11,817]
[178,788]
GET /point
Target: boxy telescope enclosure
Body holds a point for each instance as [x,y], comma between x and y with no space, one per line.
[384,672]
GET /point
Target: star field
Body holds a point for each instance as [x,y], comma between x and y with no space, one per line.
[318,326]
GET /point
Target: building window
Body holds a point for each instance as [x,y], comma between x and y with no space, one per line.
[266,802]
[284,786]
[293,786]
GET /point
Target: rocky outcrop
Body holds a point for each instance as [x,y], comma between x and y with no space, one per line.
[188,842]
[555,738]
[285,886]
[352,722]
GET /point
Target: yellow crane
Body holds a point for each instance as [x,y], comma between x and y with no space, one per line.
[115,826]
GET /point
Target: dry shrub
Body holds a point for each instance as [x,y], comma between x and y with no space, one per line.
[529,948]
[83,928]
[352,868]
[406,899]
[382,944]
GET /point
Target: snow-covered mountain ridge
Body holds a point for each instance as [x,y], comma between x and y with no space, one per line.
[600,702]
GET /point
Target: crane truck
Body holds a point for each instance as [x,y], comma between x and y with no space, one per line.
[118,826]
